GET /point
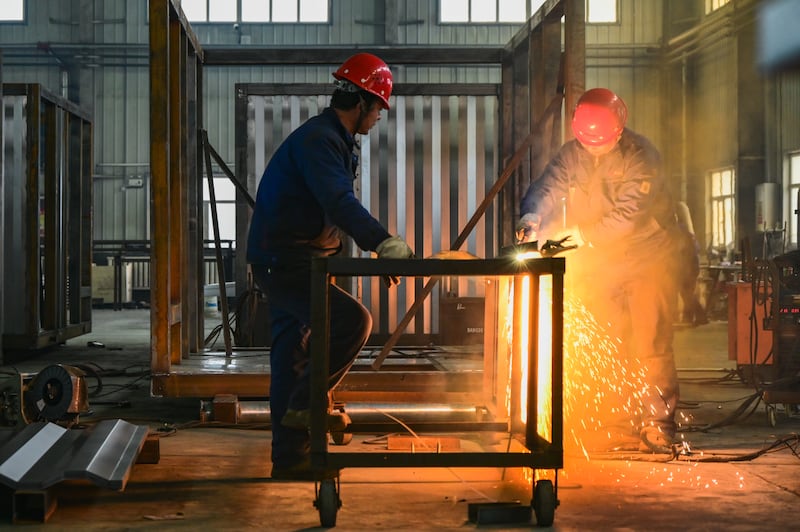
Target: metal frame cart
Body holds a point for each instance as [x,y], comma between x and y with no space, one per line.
[537,281]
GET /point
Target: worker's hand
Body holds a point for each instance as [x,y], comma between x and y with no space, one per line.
[569,236]
[394,247]
[527,229]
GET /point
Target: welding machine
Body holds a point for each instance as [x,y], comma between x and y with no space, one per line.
[56,394]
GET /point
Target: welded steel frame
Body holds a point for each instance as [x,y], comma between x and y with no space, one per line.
[539,452]
[176,193]
[176,63]
[51,224]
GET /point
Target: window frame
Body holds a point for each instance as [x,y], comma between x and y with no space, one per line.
[722,213]
[709,5]
[603,22]
[239,20]
[471,22]
[792,201]
[23,20]
[533,10]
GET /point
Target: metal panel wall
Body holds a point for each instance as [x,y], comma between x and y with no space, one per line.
[788,112]
[424,169]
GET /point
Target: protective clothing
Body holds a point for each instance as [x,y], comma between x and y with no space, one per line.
[367,72]
[626,274]
[599,117]
[304,199]
[306,196]
[394,248]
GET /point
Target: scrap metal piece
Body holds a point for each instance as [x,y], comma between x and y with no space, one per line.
[44,454]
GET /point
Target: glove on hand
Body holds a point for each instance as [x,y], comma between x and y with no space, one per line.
[394,247]
[571,235]
[528,227]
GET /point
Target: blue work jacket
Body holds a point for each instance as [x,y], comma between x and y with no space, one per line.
[306,196]
[620,201]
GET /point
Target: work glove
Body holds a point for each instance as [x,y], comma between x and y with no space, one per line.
[528,228]
[393,247]
[569,236]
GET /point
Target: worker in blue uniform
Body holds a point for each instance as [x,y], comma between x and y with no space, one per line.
[304,199]
[605,191]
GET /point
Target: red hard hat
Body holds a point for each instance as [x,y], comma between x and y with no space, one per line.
[370,73]
[599,117]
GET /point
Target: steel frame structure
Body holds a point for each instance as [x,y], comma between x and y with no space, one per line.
[540,452]
[50,226]
[534,70]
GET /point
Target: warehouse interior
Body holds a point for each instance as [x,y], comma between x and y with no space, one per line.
[135,345]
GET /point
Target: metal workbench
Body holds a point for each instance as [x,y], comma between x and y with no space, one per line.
[542,449]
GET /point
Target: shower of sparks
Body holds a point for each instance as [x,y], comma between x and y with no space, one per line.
[603,393]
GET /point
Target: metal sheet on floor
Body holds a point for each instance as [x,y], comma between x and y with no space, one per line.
[43,454]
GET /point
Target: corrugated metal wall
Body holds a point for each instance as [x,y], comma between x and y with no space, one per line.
[423,171]
[788,112]
[622,56]
[713,108]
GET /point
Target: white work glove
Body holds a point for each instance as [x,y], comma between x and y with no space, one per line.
[569,236]
[393,247]
[527,229]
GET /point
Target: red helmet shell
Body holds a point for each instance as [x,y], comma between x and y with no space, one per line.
[599,117]
[370,73]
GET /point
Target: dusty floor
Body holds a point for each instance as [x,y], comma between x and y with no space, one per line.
[739,476]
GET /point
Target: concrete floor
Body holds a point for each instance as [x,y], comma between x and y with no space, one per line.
[218,478]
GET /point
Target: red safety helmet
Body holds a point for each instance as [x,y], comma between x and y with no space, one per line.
[368,72]
[599,117]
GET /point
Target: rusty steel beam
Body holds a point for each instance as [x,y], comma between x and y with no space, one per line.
[385,387]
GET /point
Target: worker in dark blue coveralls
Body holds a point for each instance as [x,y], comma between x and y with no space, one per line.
[605,191]
[304,199]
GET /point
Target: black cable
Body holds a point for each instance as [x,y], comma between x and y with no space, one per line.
[736,415]
[790,441]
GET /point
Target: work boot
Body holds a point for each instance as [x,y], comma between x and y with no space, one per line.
[302,471]
[654,440]
[301,419]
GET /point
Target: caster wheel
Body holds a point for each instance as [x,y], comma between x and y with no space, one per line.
[772,415]
[341,438]
[328,502]
[544,503]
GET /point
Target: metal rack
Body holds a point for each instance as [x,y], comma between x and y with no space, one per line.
[543,447]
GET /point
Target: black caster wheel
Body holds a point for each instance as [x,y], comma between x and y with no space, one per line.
[341,437]
[544,503]
[328,502]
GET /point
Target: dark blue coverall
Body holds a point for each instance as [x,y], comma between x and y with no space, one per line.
[626,271]
[305,196]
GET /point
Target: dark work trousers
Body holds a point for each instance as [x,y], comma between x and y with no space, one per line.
[634,294]
[289,299]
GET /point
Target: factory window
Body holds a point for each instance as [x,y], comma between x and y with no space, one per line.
[505,11]
[713,5]
[12,11]
[256,10]
[601,11]
[723,212]
[225,196]
[793,193]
